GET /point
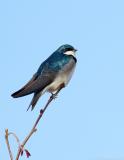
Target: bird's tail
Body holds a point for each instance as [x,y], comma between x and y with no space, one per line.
[18,93]
[34,100]
[22,92]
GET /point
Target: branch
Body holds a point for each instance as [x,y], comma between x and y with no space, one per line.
[36,123]
[21,148]
[7,134]
[8,145]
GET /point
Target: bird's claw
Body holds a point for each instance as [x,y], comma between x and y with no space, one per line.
[53,96]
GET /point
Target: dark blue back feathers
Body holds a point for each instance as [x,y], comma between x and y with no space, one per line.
[55,62]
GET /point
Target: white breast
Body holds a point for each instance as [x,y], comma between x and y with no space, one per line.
[63,76]
[60,79]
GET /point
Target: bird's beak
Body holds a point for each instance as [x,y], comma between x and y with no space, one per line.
[75,50]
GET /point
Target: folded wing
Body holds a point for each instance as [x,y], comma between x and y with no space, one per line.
[36,84]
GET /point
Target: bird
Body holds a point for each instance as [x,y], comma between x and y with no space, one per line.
[52,75]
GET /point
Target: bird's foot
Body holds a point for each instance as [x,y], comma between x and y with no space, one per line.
[53,96]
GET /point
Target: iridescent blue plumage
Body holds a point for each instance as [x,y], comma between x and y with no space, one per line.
[56,70]
[55,62]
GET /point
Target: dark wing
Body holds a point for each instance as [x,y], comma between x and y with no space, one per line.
[36,84]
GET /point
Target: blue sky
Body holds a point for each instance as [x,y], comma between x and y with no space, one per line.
[86,121]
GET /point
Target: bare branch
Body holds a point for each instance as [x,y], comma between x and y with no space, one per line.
[21,148]
[8,145]
[36,123]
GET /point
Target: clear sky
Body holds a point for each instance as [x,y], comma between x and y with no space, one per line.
[86,121]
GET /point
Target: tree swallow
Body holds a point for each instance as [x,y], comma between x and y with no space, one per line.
[55,72]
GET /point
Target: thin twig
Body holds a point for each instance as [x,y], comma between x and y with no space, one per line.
[8,145]
[7,134]
[36,123]
[15,136]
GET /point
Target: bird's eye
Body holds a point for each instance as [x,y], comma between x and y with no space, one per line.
[68,49]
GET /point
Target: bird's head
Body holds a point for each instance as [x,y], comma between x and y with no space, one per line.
[67,49]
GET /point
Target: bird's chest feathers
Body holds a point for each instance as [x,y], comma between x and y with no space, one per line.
[63,77]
